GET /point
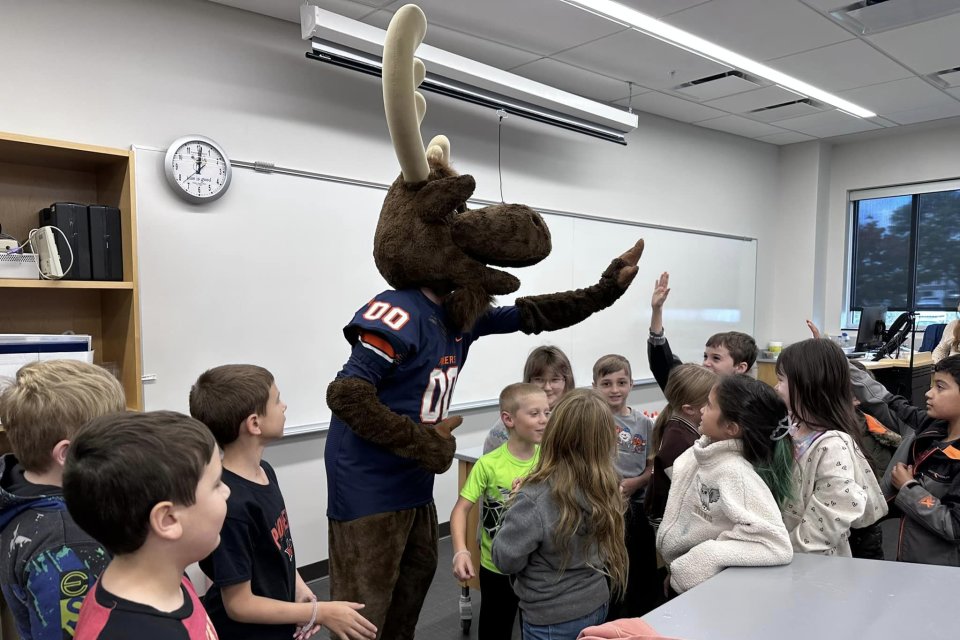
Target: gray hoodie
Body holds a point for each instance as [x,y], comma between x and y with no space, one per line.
[525,549]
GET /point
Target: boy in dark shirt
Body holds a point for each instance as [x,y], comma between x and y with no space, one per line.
[48,563]
[146,485]
[257,591]
[922,482]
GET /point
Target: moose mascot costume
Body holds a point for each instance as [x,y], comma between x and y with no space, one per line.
[390,435]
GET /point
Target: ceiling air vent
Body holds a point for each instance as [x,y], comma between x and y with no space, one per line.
[874,16]
[947,78]
[785,110]
[717,86]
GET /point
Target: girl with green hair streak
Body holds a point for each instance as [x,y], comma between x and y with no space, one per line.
[724,504]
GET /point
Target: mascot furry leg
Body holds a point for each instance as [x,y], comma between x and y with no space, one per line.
[390,435]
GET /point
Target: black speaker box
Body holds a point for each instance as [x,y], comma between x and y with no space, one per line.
[106,248]
[71,219]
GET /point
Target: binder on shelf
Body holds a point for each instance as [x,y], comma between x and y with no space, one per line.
[106,250]
[44,343]
[17,349]
[72,219]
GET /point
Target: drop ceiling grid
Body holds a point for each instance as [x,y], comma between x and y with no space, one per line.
[540,26]
[646,61]
[775,28]
[556,43]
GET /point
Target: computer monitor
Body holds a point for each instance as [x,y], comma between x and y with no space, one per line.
[872,326]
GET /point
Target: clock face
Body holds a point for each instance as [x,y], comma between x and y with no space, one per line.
[197,169]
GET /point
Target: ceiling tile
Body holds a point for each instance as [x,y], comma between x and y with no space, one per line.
[540,26]
[788,137]
[290,11]
[765,97]
[841,66]
[829,123]
[899,95]
[575,80]
[492,53]
[668,106]
[759,29]
[660,8]
[924,114]
[631,55]
[740,126]
[925,47]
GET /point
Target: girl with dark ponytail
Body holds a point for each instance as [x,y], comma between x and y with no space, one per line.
[724,504]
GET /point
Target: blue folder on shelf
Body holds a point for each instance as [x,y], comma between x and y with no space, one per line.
[44,343]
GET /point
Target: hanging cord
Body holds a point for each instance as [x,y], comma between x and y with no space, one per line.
[501,114]
[630,102]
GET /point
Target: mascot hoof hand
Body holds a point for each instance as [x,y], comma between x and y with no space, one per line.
[628,271]
[436,452]
[444,427]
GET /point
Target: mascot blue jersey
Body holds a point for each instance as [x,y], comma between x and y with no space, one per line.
[404,346]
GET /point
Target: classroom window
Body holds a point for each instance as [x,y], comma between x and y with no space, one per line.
[906,254]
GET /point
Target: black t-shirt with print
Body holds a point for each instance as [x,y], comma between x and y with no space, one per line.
[255,545]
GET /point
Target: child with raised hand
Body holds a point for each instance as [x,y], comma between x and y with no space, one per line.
[835,488]
[562,536]
[524,411]
[547,367]
[726,353]
[676,429]
[257,592]
[41,412]
[724,504]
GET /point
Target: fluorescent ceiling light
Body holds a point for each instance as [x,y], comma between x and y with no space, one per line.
[353,44]
[628,17]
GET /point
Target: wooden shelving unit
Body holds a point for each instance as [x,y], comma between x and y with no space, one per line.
[36,172]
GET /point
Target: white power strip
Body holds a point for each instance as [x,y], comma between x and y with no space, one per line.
[7,245]
[45,245]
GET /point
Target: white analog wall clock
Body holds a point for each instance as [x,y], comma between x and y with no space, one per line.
[197,169]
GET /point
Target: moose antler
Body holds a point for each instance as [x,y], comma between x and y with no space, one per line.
[403,105]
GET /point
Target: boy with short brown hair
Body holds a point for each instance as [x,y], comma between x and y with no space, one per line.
[146,485]
[257,591]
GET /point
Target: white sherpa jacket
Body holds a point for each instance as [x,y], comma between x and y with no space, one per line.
[719,514]
[834,489]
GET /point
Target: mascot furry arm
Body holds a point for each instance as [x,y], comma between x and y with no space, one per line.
[427,240]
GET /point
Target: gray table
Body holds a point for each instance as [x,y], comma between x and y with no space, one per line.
[818,598]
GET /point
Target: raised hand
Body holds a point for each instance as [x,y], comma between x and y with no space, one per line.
[813,329]
[631,257]
[661,289]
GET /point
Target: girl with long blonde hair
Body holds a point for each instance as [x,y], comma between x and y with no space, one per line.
[562,536]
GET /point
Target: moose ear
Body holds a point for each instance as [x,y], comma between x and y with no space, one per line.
[439,198]
[438,150]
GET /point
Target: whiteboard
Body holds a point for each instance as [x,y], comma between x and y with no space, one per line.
[270,273]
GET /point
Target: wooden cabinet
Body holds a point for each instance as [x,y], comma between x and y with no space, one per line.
[34,173]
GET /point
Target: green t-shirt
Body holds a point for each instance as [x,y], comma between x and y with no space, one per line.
[492,477]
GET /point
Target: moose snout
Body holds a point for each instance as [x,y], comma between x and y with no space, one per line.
[503,235]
